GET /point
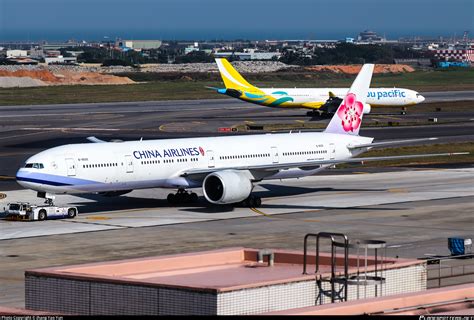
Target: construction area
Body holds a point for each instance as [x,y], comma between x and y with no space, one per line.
[95,74]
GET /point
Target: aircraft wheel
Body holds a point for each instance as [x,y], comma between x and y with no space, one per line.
[257,202]
[171,198]
[193,197]
[252,202]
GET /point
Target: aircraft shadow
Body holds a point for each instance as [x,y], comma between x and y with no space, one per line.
[305,208]
[101,203]
[274,190]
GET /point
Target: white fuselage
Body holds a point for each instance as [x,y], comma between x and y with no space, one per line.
[106,167]
[375,96]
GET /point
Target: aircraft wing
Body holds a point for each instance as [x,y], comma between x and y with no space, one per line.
[311,164]
[388,143]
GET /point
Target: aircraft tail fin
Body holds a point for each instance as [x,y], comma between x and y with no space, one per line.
[348,117]
[231,77]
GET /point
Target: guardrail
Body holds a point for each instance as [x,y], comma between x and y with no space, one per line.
[450,271]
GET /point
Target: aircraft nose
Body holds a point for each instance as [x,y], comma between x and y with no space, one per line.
[418,97]
[19,175]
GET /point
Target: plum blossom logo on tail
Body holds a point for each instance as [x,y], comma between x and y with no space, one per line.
[201,150]
[350,113]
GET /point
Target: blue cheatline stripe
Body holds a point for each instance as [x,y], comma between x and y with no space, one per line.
[254,96]
[280,101]
[51,183]
[52,179]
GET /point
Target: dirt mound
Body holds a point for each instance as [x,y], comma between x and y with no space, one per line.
[354,69]
[69,77]
[43,75]
[65,77]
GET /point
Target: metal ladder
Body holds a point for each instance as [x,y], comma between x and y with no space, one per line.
[359,278]
[340,294]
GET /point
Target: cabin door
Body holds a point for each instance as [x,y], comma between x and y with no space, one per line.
[332,151]
[211,163]
[274,154]
[129,163]
[71,167]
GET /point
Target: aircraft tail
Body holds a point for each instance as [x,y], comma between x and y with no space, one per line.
[348,117]
[231,77]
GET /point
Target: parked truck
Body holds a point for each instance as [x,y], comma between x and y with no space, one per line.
[27,211]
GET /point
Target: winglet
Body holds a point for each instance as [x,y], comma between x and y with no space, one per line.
[348,118]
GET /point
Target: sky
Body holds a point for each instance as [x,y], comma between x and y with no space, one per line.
[238,19]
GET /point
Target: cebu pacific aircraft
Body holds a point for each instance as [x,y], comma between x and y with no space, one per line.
[226,168]
[321,101]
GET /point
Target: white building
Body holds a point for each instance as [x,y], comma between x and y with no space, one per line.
[138,44]
[249,55]
[17,53]
[60,60]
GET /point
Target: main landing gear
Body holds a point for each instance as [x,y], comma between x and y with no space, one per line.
[182,196]
[252,202]
[318,114]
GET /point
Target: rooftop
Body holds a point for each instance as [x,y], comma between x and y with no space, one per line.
[211,271]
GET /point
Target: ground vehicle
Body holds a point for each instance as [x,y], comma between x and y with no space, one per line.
[26,211]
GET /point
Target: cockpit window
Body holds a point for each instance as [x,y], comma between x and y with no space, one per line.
[34,165]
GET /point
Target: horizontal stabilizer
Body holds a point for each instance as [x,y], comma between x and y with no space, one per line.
[95,140]
[388,143]
[212,88]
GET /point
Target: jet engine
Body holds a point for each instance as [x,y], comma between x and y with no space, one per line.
[227,186]
[367,108]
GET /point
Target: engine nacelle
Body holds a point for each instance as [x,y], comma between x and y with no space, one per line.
[367,108]
[227,186]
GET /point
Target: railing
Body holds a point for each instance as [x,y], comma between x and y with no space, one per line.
[450,271]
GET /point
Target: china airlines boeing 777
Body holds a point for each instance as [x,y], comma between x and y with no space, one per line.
[225,167]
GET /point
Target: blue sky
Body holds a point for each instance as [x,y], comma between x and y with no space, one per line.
[219,19]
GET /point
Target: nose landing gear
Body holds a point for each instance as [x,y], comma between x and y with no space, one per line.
[182,196]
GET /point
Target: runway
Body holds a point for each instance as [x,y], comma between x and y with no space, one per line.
[440,96]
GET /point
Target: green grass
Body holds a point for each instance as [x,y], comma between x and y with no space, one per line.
[163,87]
[171,90]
